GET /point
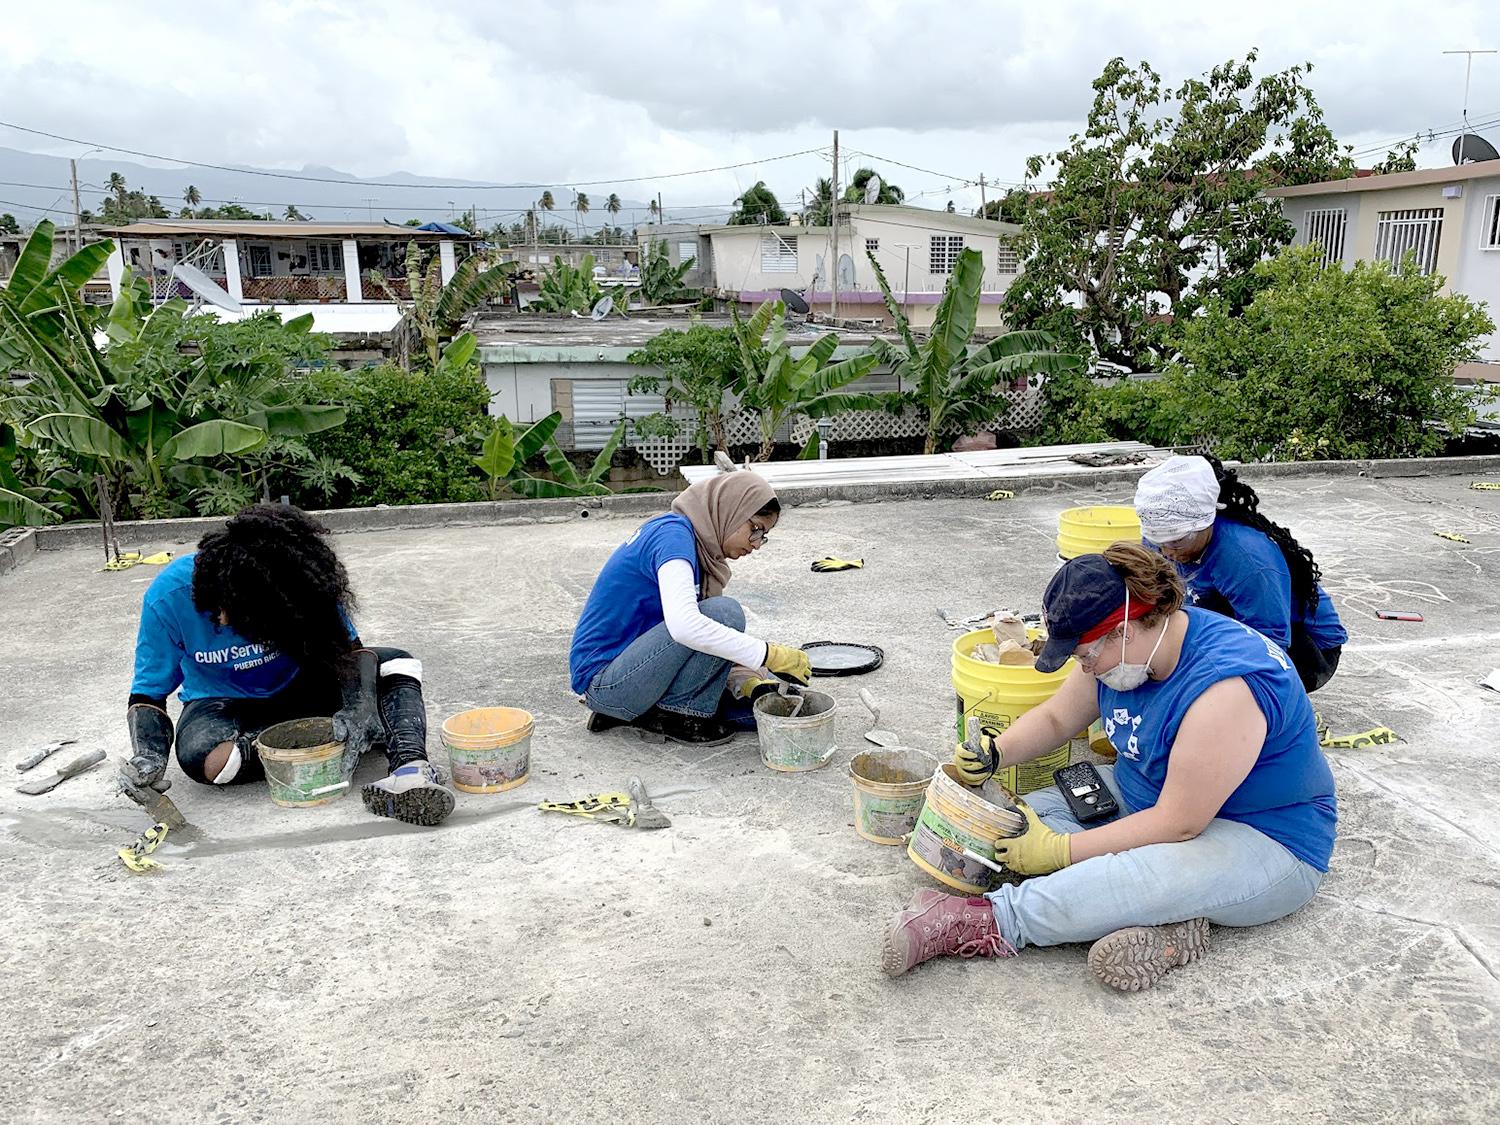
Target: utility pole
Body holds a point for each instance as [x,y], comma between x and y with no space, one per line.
[661,216]
[833,218]
[1468,68]
[981,195]
[77,223]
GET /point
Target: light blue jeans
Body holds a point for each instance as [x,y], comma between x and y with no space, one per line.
[656,671]
[1229,873]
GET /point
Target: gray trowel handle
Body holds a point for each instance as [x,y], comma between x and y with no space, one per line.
[32,760]
[869,701]
[79,764]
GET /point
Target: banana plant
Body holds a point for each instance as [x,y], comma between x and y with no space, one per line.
[20,503]
[504,454]
[777,387]
[565,288]
[436,310]
[954,383]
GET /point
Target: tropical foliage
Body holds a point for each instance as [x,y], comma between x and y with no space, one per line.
[758,204]
[661,281]
[436,310]
[698,366]
[566,288]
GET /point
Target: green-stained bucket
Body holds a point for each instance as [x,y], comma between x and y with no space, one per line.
[304,763]
[889,786]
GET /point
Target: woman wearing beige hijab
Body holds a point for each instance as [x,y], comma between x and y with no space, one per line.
[658,638]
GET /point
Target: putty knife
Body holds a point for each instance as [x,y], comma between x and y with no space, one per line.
[44,782]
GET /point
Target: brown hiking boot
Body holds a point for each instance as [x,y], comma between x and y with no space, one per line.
[1135,958]
[938,925]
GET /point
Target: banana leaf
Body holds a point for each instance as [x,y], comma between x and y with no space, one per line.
[537,489]
[285,421]
[91,437]
[601,463]
[497,456]
[212,439]
[31,266]
[530,441]
[561,467]
[17,509]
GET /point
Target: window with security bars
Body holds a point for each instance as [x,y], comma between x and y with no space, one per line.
[872,245]
[777,254]
[943,253]
[1489,232]
[1418,232]
[325,257]
[1007,258]
[1325,228]
[687,252]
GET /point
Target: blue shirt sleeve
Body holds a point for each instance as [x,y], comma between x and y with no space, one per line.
[158,655]
[1257,589]
[670,539]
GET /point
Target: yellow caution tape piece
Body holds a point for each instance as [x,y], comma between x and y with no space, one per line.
[1001,494]
[1485,485]
[1379,736]
[589,806]
[135,856]
[1449,535]
[126,560]
[161,558]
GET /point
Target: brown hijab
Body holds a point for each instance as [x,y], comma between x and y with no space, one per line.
[716,508]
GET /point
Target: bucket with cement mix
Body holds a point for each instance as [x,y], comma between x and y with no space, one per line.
[1087,531]
[489,748]
[304,764]
[955,818]
[997,695]
[889,786]
[796,731]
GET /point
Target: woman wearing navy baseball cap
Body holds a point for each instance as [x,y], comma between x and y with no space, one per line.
[1227,810]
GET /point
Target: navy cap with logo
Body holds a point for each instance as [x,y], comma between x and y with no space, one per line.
[1084,591]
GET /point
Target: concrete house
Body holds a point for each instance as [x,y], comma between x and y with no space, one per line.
[327,269]
[916,249]
[1448,217]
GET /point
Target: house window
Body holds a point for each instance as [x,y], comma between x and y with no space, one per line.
[777,254]
[209,260]
[687,251]
[945,249]
[260,259]
[1007,258]
[872,245]
[1489,233]
[325,257]
[1398,233]
[1325,228]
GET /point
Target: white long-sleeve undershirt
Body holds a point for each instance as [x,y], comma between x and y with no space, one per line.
[691,628]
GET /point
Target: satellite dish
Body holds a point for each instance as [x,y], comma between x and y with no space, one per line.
[794,302]
[602,308]
[819,274]
[206,287]
[872,189]
[846,271]
[1471,148]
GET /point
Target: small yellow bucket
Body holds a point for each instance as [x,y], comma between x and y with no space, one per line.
[999,694]
[889,786]
[955,818]
[1087,531]
[304,764]
[489,748]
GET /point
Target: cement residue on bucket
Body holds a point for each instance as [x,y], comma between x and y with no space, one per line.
[956,818]
[889,786]
[489,748]
[796,732]
[303,761]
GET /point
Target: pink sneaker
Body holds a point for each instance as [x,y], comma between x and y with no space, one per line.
[939,925]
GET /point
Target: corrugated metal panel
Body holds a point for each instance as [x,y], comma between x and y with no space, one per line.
[598,406]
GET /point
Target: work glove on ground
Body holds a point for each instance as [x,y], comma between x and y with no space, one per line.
[789,663]
[1037,851]
[977,764]
[151,743]
[825,566]
[357,723]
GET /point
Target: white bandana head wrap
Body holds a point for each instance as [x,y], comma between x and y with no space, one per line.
[1177,498]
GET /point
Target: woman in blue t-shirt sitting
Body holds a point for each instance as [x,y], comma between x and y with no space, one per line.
[1227,810]
[1237,562]
[658,639]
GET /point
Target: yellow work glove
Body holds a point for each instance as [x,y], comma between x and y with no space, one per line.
[824,566]
[977,764]
[1038,850]
[789,663]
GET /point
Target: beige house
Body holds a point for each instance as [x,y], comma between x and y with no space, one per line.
[1449,218]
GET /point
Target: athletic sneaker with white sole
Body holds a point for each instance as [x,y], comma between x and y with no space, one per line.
[1135,958]
[414,793]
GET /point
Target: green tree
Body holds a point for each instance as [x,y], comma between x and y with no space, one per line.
[653,209]
[661,281]
[547,203]
[116,184]
[1329,363]
[8,224]
[192,198]
[1402,158]
[292,215]
[954,384]
[613,205]
[436,310]
[855,192]
[757,205]
[580,209]
[776,386]
[564,288]
[1159,203]
[698,366]
[819,212]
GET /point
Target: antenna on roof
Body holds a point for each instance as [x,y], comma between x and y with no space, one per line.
[602,307]
[846,272]
[1471,148]
[205,287]
[872,189]
[1460,149]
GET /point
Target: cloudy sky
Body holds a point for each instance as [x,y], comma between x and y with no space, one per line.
[570,91]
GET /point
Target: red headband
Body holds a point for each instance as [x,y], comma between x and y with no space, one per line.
[1137,609]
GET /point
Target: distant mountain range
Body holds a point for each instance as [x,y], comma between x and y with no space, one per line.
[33,186]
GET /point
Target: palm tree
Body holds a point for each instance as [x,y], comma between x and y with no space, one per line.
[889,193]
[293,215]
[581,206]
[612,205]
[654,210]
[116,184]
[547,202]
[192,199]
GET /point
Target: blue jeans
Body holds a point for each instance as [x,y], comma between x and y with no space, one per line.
[1230,873]
[656,671]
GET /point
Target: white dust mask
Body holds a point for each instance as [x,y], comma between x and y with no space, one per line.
[1128,677]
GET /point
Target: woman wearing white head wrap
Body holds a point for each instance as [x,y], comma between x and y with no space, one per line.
[1235,561]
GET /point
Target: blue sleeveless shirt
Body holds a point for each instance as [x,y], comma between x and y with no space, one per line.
[1288,794]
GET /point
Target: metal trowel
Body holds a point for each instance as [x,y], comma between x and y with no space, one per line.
[886,739]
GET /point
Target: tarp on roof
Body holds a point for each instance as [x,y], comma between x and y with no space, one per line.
[446,228]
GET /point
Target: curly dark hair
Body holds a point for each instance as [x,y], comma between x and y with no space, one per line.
[271,572]
[1242,505]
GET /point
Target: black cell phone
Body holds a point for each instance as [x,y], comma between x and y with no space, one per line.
[1084,790]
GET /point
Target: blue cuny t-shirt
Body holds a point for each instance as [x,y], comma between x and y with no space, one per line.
[626,601]
[1288,794]
[181,647]
[1246,569]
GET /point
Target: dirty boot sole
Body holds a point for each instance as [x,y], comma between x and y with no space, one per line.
[427,805]
[1136,958]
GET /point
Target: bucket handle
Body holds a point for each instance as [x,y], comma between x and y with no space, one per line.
[981,701]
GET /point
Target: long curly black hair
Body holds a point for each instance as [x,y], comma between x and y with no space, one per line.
[271,572]
[1242,505]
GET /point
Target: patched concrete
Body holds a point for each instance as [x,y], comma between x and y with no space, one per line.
[326,966]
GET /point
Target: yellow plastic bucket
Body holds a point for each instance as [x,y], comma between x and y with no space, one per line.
[489,748]
[1087,531]
[955,818]
[304,764]
[999,694]
[889,786]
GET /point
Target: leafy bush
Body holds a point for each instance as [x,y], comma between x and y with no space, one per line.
[565,288]
[1079,408]
[699,367]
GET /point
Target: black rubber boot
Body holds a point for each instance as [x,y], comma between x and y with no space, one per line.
[403,713]
[689,729]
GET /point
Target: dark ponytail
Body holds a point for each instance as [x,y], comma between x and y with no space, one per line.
[1242,505]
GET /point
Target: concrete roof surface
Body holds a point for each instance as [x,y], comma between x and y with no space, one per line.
[254,228]
[324,965]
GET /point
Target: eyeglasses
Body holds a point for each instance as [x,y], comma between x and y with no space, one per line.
[758,534]
[1174,544]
